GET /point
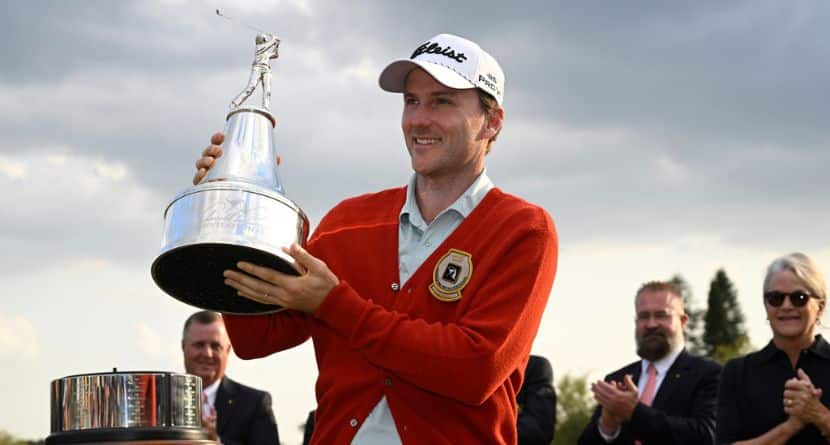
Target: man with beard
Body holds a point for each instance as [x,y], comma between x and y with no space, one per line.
[668,397]
[231,412]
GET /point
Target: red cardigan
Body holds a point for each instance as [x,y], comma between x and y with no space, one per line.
[450,370]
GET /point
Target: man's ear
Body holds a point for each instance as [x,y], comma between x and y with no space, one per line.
[492,122]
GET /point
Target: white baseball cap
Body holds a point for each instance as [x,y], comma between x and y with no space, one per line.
[453,61]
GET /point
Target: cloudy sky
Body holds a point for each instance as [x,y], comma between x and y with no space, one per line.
[662,137]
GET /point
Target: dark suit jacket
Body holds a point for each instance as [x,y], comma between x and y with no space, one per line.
[683,411]
[537,403]
[244,415]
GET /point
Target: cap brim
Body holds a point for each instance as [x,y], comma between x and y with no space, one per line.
[393,77]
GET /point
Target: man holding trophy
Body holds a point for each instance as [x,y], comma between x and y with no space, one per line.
[422,301]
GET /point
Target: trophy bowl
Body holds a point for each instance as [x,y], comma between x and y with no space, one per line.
[143,407]
[238,212]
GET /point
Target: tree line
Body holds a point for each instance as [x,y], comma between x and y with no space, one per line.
[716,331]
[8,439]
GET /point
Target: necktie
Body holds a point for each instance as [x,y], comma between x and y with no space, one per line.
[206,407]
[651,382]
[648,391]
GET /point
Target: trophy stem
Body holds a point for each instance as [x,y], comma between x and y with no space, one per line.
[261,111]
[248,150]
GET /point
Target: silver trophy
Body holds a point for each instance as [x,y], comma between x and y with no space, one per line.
[238,212]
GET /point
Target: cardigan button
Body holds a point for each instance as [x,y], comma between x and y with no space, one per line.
[396,287]
[353,423]
[387,381]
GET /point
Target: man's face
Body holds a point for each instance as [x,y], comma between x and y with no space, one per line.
[660,323]
[446,130]
[206,348]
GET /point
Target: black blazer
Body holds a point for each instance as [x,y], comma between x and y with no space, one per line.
[537,403]
[683,410]
[244,415]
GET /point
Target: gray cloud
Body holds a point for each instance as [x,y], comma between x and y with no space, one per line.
[625,120]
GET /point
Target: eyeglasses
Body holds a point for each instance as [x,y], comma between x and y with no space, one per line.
[797,298]
[660,316]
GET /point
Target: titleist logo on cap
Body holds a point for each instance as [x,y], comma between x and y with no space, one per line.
[434,48]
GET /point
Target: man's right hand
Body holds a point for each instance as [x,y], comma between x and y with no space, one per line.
[209,156]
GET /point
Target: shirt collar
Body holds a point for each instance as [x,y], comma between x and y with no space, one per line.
[210,391]
[769,351]
[464,205]
[819,347]
[664,363]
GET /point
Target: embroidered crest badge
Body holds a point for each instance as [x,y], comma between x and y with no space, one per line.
[451,275]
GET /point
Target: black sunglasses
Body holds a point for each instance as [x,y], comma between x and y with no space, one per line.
[776,298]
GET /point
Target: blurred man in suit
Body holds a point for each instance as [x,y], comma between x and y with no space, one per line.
[308,429]
[537,403]
[232,412]
[668,397]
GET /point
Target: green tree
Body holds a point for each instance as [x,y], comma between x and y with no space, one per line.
[8,439]
[574,405]
[724,334]
[694,328]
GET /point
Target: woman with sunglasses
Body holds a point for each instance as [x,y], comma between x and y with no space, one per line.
[780,394]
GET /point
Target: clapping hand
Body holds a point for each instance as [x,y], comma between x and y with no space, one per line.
[803,400]
[618,400]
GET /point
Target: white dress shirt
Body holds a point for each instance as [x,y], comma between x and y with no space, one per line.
[210,396]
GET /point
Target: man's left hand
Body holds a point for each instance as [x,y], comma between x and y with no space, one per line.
[268,286]
[618,398]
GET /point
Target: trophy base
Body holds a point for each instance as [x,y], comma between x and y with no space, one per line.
[134,435]
[193,274]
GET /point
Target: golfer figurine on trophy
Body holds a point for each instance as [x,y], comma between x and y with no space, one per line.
[267,48]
